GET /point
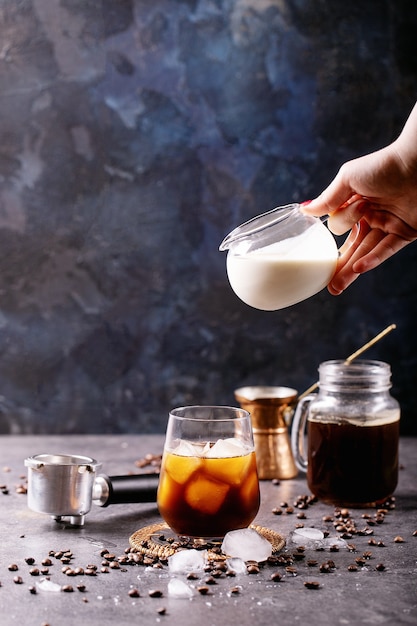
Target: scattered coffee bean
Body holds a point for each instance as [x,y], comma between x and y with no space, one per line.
[155,593]
[90,572]
[312,584]
[18,580]
[67,588]
[81,587]
[134,593]
[32,590]
[352,568]
[210,580]
[277,511]
[291,570]
[161,611]
[13,567]
[30,560]
[34,571]
[203,590]
[398,539]
[276,577]
[380,567]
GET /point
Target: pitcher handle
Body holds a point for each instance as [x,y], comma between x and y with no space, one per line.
[298,431]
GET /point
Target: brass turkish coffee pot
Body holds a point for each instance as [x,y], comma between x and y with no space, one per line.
[271,410]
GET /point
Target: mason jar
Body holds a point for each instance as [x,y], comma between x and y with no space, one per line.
[350,452]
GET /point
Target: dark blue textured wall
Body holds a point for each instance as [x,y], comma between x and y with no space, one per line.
[133,136]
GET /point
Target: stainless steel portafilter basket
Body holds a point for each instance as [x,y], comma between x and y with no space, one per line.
[64,486]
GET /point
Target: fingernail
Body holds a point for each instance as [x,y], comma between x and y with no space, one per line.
[305,202]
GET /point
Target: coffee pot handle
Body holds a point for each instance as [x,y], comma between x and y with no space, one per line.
[298,432]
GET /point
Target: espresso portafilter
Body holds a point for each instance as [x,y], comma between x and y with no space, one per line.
[65,486]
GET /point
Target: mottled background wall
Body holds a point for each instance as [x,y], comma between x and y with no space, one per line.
[134,134]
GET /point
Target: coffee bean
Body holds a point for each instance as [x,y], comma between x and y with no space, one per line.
[380,567]
[30,560]
[161,611]
[67,588]
[34,571]
[18,580]
[32,590]
[234,591]
[312,584]
[398,539]
[352,568]
[134,593]
[277,511]
[13,567]
[81,587]
[210,580]
[203,590]
[47,562]
[90,572]
[276,577]
[155,593]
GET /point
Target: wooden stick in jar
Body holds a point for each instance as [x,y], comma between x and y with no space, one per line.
[353,356]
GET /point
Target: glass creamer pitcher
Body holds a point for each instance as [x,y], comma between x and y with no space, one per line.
[352,434]
[279,258]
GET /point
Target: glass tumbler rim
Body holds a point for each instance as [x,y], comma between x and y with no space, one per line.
[237,413]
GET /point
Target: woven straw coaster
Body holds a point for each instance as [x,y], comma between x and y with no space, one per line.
[158,540]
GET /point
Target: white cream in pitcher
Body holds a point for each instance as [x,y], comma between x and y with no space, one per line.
[283,272]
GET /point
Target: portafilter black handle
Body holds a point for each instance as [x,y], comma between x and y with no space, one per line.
[125,489]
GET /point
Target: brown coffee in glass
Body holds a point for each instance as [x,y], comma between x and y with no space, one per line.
[352,434]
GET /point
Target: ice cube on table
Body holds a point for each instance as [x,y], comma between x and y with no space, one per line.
[237,565]
[307,536]
[246,544]
[179,589]
[226,448]
[185,561]
[47,585]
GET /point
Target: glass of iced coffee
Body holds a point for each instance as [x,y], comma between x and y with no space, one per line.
[208,482]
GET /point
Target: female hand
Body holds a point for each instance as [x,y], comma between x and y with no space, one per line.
[375,197]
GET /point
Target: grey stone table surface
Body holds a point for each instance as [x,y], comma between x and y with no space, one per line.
[379,589]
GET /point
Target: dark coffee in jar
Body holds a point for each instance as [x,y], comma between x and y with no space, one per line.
[352,463]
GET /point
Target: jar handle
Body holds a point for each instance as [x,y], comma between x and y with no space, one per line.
[298,432]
